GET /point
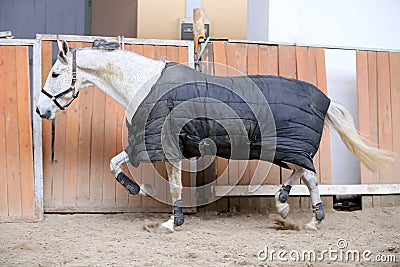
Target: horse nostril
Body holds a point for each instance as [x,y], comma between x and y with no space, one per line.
[48,114]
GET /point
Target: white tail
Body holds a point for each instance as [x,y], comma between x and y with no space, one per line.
[373,158]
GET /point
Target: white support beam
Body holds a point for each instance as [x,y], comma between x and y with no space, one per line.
[29,42]
[84,38]
[302,190]
[37,127]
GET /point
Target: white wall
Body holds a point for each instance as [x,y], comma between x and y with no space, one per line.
[342,85]
[373,24]
[257,20]
[356,23]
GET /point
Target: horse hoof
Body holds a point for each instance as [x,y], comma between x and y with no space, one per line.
[166,227]
[147,190]
[163,230]
[310,227]
[283,209]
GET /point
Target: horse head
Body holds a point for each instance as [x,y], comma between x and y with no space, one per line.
[61,86]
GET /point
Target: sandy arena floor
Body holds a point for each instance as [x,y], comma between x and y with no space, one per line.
[204,240]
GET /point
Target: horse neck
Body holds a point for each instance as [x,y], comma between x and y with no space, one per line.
[124,76]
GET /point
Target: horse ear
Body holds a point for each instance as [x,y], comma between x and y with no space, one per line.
[63,49]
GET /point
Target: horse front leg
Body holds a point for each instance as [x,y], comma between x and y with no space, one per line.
[130,185]
[175,186]
[282,196]
[310,179]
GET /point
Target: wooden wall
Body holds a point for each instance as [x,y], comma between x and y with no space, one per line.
[378,83]
[304,63]
[79,144]
[17,196]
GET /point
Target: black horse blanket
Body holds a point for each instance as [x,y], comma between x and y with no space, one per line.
[189,114]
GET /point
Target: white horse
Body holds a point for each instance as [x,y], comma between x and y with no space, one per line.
[120,74]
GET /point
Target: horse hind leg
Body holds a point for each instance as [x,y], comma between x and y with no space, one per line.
[175,185]
[282,196]
[130,185]
[310,179]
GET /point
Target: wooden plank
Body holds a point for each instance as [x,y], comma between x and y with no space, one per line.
[59,157]
[97,148]
[373,116]
[325,161]
[25,131]
[161,52]
[3,159]
[363,105]
[173,53]
[84,147]
[252,59]
[71,149]
[183,55]
[47,131]
[220,58]
[384,110]
[12,134]
[110,146]
[394,60]
[287,61]
[268,59]
[302,190]
[121,194]
[373,98]
[373,105]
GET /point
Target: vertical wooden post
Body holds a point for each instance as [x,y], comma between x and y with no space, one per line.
[198,28]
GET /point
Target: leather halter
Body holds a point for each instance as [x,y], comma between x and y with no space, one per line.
[70,89]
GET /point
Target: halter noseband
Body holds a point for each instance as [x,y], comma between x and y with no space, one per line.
[70,89]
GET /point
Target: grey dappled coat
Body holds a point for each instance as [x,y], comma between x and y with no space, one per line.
[189,114]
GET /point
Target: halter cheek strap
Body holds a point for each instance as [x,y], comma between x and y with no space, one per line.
[70,89]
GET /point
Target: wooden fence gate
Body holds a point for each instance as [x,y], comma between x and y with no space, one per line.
[378,84]
[20,196]
[79,144]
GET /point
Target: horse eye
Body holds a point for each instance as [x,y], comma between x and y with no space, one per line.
[54,75]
